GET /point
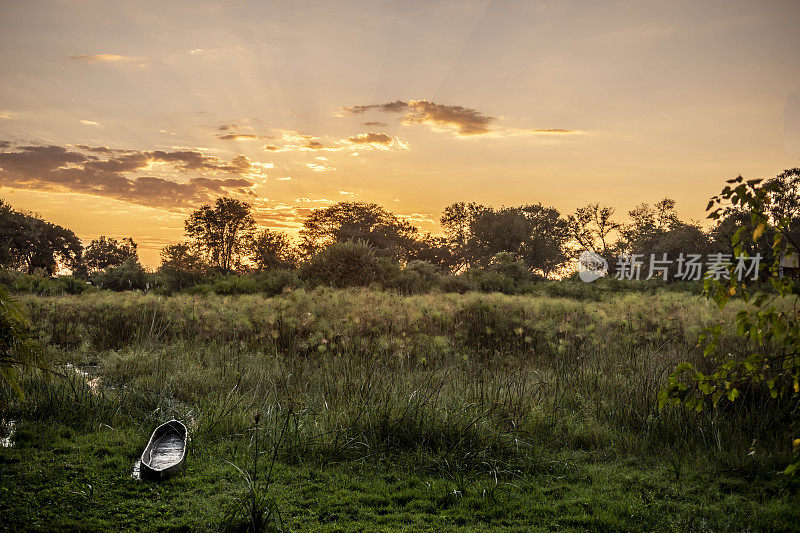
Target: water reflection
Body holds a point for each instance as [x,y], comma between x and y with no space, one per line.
[137,469]
[87,372]
[7,430]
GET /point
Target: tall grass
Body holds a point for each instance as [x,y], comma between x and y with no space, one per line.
[455,384]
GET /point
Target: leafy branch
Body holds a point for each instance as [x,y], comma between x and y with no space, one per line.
[772,330]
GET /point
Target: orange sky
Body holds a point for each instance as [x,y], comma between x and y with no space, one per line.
[119,118]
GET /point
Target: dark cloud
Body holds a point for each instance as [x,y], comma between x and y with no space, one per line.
[398,106]
[96,149]
[233,132]
[194,160]
[57,168]
[237,136]
[371,138]
[464,120]
[467,121]
[313,144]
[553,130]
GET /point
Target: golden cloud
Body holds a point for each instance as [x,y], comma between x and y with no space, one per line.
[370,138]
[104,58]
[464,121]
[58,168]
[303,142]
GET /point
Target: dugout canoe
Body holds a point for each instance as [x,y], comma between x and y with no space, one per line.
[166,451]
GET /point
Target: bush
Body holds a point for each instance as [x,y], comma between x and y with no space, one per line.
[130,275]
[417,277]
[486,280]
[505,273]
[343,264]
[509,266]
[71,285]
[42,285]
[270,283]
[172,279]
[459,284]
[224,284]
[274,282]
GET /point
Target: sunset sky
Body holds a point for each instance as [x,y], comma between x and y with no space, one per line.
[119,118]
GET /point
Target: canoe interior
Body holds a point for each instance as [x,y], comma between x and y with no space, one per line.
[166,450]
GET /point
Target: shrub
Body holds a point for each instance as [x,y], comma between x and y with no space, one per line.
[509,266]
[70,285]
[274,282]
[42,285]
[271,283]
[417,277]
[130,275]
[181,267]
[459,284]
[342,264]
[170,278]
[486,280]
[225,284]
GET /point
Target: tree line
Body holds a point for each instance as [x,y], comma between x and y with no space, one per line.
[358,243]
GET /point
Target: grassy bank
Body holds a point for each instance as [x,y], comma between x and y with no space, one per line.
[439,410]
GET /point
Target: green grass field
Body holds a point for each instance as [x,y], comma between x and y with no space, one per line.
[384,412]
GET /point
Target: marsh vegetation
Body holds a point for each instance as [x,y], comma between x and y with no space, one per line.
[428,411]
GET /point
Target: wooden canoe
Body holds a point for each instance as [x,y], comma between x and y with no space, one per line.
[166,451]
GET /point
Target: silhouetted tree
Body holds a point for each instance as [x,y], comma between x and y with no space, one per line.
[358,221]
[592,227]
[647,223]
[129,275]
[534,234]
[456,221]
[181,267]
[436,251]
[107,252]
[656,230]
[31,244]
[271,249]
[221,232]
